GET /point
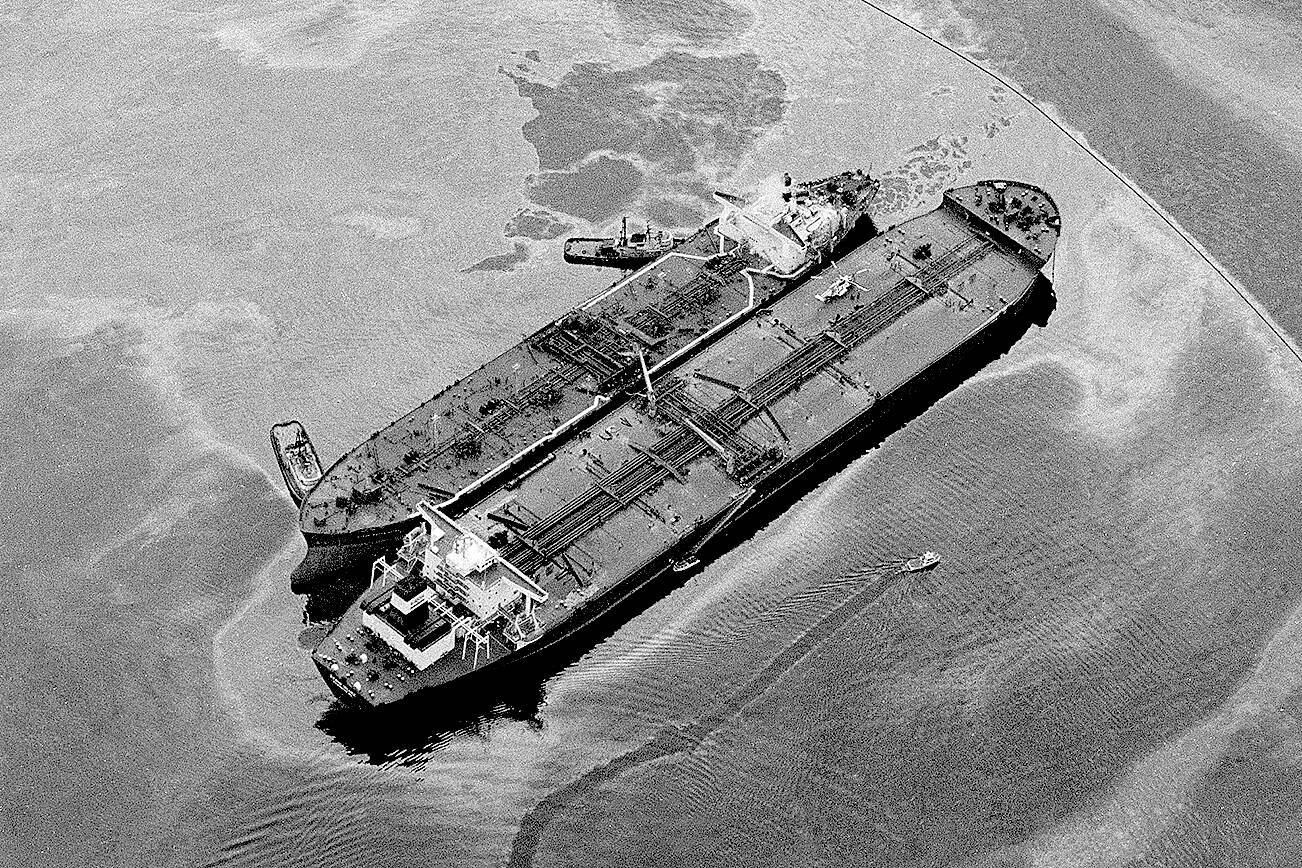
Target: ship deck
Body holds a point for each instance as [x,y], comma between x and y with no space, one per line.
[545,383]
[801,370]
[650,477]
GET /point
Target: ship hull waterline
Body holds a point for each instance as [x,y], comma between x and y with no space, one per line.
[657,577]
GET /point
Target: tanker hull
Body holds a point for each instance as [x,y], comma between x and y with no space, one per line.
[698,462]
[502,418]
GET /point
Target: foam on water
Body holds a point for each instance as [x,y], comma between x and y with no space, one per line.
[313,36]
[1155,793]
[265,210]
[115,486]
[1241,54]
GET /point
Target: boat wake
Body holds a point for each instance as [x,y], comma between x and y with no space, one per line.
[883,585]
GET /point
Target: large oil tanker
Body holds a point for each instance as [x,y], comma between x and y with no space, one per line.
[517,563]
[511,412]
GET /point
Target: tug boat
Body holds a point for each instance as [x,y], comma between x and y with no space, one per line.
[627,251]
[297,458]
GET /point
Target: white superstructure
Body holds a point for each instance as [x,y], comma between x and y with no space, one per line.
[793,226]
[448,585]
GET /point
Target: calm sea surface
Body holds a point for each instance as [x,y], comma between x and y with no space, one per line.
[212,219]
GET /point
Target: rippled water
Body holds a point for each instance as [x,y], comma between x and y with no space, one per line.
[214,219]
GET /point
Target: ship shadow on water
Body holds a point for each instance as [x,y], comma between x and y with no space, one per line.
[424,722]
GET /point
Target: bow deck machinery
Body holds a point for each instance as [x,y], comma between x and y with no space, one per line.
[508,413]
[520,564]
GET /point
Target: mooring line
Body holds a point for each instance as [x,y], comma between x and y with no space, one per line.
[1098,158]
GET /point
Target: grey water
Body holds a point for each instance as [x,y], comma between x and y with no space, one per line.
[215,218]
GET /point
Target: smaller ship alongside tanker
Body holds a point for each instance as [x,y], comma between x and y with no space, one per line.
[628,251]
[515,564]
[299,465]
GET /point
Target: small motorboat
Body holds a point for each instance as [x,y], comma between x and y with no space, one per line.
[629,250]
[924,561]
